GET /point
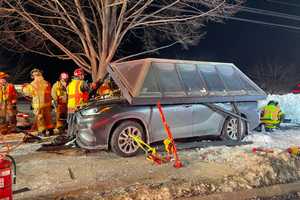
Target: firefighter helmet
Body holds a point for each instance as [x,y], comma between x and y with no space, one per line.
[3,75]
[37,72]
[64,76]
[78,72]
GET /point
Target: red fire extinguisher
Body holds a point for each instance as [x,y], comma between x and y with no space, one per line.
[7,177]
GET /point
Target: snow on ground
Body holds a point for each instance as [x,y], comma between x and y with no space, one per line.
[281,139]
[289,103]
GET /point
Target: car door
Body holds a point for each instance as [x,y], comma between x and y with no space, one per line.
[179,119]
[206,121]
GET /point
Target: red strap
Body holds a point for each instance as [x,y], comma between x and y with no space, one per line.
[177,163]
[155,159]
[261,149]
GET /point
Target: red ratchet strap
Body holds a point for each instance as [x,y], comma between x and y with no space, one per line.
[177,163]
[260,149]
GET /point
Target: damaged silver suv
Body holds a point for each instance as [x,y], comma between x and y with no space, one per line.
[198,98]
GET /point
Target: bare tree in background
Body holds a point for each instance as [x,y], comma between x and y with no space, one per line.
[275,77]
[89,32]
[17,69]
[20,73]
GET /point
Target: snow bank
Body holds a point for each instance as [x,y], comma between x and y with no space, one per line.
[289,103]
[281,139]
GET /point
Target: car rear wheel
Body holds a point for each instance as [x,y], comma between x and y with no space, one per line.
[121,143]
[231,131]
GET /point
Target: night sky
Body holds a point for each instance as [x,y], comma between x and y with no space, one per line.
[242,43]
[246,44]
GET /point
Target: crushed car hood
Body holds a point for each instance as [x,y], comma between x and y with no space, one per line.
[103,102]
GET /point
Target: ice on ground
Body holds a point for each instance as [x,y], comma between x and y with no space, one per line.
[289,103]
[282,139]
[25,149]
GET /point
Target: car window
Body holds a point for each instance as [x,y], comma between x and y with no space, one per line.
[169,79]
[232,80]
[191,79]
[150,87]
[211,77]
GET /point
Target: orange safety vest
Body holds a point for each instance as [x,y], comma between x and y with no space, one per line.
[76,98]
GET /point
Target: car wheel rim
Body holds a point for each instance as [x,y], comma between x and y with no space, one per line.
[232,129]
[126,143]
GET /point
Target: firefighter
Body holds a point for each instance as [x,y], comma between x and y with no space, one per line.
[40,92]
[271,116]
[104,90]
[281,115]
[8,105]
[78,95]
[60,98]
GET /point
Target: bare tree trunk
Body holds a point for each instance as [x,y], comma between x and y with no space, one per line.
[103,70]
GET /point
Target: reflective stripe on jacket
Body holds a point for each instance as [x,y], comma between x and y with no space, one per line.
[76,97]
[271,114]
[40,92]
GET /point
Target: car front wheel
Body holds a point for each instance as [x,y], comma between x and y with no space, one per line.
[231,131]
[121,143]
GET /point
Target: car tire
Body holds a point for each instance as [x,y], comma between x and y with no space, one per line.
[121,143]
[230,130]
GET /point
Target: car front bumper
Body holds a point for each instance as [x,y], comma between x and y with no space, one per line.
[82,144]
[86,136]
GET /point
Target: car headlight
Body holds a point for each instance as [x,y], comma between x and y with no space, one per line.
[94,111]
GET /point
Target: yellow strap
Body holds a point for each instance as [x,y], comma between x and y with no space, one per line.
[168,145]
[142,144]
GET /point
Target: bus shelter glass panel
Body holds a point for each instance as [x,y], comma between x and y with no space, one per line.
[150,87]
[130,71]
[168,79]
[212,79]
[194,85]
[251,89]
[232,79]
